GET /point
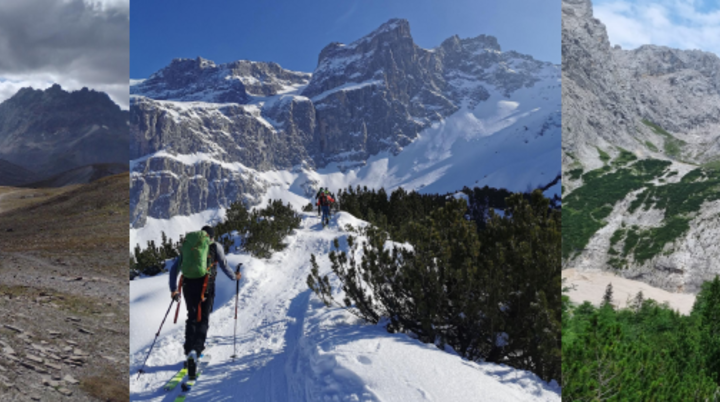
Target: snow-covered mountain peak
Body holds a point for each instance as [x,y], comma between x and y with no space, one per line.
[392,30]
[192,80]
[366,102]
[477,45]
[374,56]
[201,80]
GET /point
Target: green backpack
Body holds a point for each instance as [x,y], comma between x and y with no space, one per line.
[194,254]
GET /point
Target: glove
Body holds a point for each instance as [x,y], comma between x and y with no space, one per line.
[238,275]
[175,295]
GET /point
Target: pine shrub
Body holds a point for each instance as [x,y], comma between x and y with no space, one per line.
[490,294]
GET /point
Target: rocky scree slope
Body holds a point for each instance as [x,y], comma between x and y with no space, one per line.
[641,130]
[52,131]
[201,131]
[64,296]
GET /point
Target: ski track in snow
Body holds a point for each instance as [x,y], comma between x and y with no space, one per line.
[292,348]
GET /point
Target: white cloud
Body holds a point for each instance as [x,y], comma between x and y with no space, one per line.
[683,24]
[74,43]
[8,88]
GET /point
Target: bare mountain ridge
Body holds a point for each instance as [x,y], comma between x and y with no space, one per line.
[52,131]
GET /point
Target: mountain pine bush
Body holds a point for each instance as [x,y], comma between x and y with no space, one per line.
[261,231]
[490,294]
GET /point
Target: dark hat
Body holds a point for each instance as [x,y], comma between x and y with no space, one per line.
[209,230]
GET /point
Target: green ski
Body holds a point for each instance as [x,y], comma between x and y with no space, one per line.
[177,379]
[189,384]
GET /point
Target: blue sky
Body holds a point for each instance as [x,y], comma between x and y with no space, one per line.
[684,24]
[292,32]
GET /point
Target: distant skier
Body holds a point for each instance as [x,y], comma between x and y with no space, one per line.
[317,198]
[324,202]
[198,261]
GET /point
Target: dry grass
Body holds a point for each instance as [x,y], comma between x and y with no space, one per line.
[12,198]
[107,386]
[91,219]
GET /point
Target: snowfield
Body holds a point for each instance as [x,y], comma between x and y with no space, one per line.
[292,348]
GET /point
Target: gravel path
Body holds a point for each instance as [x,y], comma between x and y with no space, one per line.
[590,286]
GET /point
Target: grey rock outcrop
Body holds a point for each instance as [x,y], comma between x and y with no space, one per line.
[611,100]
[373,95]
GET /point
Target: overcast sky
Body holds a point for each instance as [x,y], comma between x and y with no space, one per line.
[74,43]
[683,24]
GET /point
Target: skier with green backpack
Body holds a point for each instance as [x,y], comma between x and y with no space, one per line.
[198,261]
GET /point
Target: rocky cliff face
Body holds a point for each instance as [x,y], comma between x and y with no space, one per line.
[373,95]
[608,92]
[51,131]
[624,106]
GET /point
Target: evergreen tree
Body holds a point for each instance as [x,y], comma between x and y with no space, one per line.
[637,301]
[608,296]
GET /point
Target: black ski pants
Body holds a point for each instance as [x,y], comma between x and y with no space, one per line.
[196,331]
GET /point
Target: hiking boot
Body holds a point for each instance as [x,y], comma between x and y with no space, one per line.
[192,365]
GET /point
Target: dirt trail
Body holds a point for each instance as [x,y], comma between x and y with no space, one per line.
[3,195]
[590,286]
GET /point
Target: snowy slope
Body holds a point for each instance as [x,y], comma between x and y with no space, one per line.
[504,142]
[291,348]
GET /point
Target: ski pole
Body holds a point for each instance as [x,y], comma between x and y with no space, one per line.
[156,336]
[237,290]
